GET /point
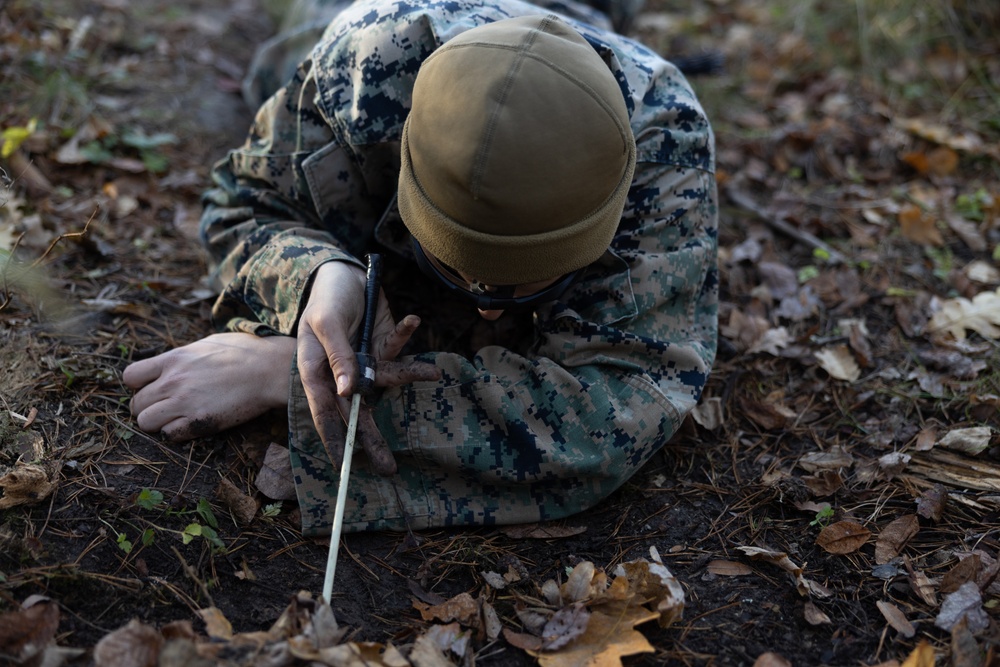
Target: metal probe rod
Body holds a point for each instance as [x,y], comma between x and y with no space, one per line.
[366,384]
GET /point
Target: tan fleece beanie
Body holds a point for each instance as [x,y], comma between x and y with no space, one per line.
[517,155]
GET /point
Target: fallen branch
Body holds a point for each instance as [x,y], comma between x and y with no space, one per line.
[65,235]
[30,278]
[956,470]
[745,201]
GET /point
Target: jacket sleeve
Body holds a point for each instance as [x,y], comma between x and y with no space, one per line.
[260,225]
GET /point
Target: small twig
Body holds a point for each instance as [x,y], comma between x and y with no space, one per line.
[745,201]
[181,596]
[189,571]
[65,235]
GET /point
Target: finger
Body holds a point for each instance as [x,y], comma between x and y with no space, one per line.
[368,438]
[317,382]
[139,374]
[334,310]
[153,418]
[151,394]
[396,373]
[340,359]
[184,429]
[374,444]
[391,345]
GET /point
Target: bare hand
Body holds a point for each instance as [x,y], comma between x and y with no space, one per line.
[327,363]
[210,385]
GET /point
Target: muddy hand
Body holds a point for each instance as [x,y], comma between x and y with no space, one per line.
[327,362]
[389,373]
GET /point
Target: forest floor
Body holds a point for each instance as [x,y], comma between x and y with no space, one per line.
[835,500]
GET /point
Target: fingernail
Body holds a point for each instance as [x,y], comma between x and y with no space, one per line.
[342,384]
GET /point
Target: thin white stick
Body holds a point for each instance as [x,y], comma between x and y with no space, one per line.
[338,512]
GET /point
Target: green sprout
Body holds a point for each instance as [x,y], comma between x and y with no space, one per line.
[823,516]
[124,544]
[205,512]
[194,530]
[149,499]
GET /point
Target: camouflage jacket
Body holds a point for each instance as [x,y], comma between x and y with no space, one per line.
[516,430]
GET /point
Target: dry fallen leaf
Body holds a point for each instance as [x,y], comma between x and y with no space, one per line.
[824,483]
[274,479]
[973,237]
[494,579]
[432,647]
[894,537]
[771,342]
[728,568]
[969,440]
[893,463]
[781,559]
[932,502]
[216,624]
[965,650]
[918,226]
[925,439]
[967,603]
[858,338]
[964,571]
[744,331]
[916,159]
[582,583]
[835,458]
[565,625]
[462,608]
[839,363]
[769,414]
[896,618]
[982,272]
[26,633]
[243,507]
[708,413]
[649,582]
[770,659]
[843,537]
[942,161]
[814,615]
[940,134]
[780,279]
[597,625]
[136,645]
[980,314]
[606,640]
[922,656]
[491,622]
[922,585]
[989,570]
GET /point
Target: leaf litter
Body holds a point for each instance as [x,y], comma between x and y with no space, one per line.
[856,391]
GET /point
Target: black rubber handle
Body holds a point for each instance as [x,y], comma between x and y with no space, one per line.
[366,361]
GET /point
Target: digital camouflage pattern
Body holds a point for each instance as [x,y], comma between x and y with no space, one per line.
[513,432]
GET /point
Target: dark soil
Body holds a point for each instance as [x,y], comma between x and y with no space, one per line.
[706,494]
